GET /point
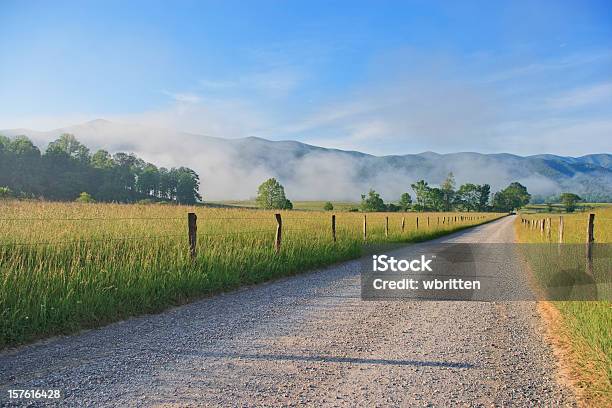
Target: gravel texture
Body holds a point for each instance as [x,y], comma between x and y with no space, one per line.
[304,340]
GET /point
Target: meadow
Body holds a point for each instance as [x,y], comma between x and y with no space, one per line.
[297,205]
[68,266]
[584,327]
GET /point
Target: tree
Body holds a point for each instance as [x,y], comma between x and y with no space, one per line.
[448,192]
[484,191]
[102,160]
[68,144]
[271,195]
[435,199]
[5,193]
[392,207]
[420,189]
[511,198]
[85,198]
[372,202]
[187,186]
[66,169]
[147,182]
[569,201]
[25,173]
[468,197]
[328,206]
[405,202]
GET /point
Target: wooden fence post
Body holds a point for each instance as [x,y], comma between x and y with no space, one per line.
[279,233]
[589,245]
[590,227]
[548,227]
[560,229]
[192,231]
[403,224]
[386,226]
[334,227]
[427,222]
[365,227]
[417,222]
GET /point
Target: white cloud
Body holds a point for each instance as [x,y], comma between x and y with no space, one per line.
[582,96]
[185,97]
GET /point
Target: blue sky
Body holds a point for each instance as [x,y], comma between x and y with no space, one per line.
[382,77]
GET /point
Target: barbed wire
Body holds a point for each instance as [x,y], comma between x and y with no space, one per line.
[90,219]
[234,233]
[80,241]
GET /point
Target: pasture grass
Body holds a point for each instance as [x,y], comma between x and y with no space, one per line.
[585,325]
[297,205]
[68,266]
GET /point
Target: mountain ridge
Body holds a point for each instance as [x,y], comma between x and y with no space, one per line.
[233,168]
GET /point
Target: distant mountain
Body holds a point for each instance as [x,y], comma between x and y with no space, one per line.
[233,168]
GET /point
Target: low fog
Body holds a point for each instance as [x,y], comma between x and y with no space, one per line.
[232,169]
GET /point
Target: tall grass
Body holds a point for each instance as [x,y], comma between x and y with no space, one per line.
[69,266]
[587,326]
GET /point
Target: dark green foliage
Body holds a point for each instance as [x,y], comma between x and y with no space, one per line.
[392,208]
[472,197]
[405,202]
[372,202]
[328,206]
[85,198]
[511,198]
[569,201]
[66,169]
[5,193]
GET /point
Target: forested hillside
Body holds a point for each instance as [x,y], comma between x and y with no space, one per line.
[66,169]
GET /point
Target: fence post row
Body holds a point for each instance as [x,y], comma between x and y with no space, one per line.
[333,225]
[192,233]
[548,228]
[279,233]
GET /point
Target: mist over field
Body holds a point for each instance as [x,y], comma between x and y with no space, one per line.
[232,169]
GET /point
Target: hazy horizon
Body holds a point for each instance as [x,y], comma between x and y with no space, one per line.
[517,77]
[100,144]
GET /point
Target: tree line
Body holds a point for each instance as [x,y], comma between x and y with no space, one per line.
[67,168]
[468,197]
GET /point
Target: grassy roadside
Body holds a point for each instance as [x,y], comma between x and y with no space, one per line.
[64,267]
[581,331]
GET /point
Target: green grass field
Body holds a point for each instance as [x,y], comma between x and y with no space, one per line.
[560,208]
[297,205]
[586,325]
[67,266]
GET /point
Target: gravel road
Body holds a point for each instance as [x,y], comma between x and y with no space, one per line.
[304,340]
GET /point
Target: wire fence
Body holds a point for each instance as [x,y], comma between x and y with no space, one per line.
[377,224]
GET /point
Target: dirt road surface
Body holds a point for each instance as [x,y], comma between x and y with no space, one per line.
[304,340]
